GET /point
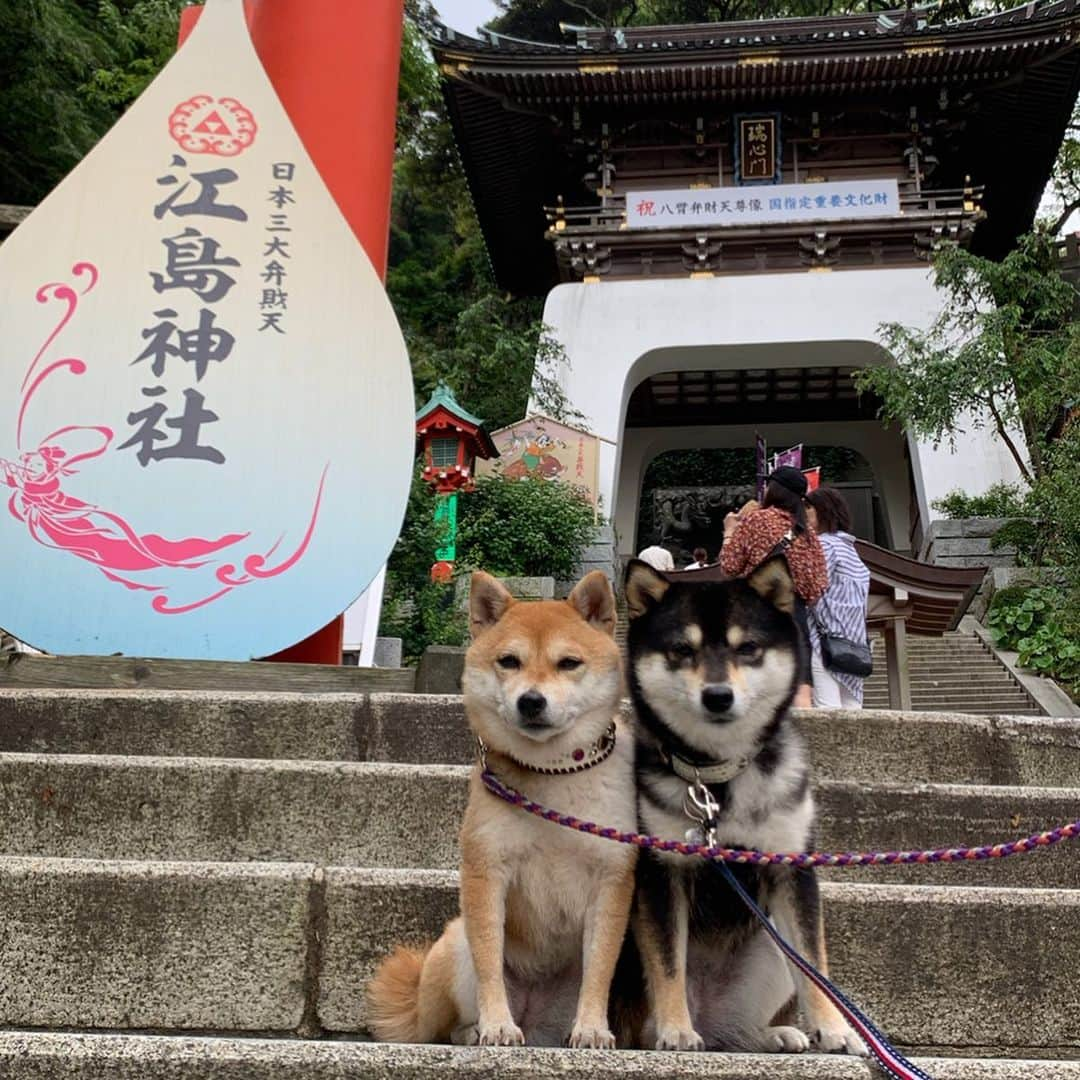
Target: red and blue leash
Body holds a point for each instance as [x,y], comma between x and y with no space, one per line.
[885,1054]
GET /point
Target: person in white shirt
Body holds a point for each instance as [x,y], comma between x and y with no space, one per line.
[701,560]
[842,610]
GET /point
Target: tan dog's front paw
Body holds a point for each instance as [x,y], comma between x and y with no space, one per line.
[591,1037]
[673,1038]
[506,1033]
[786,1040]
[838,1038]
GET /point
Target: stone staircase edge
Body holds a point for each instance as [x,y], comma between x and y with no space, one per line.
[1045,692]
[81,1056]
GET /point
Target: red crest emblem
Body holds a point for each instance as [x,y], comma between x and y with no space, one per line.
[203,125]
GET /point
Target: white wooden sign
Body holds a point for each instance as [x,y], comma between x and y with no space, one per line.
[762,204]
[205,400]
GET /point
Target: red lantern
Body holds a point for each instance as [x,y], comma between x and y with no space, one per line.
[450,440]
[442,573]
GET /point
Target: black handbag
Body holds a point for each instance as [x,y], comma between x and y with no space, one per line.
[843,655]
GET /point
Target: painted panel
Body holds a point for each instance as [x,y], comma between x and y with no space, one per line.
[541,447]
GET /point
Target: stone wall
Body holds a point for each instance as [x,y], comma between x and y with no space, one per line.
[965,543]
[599,555]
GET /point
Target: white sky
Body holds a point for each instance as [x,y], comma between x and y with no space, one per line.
[465,15]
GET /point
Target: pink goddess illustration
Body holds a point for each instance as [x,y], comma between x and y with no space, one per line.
[59,520]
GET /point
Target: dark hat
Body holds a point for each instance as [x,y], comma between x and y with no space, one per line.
[789,477]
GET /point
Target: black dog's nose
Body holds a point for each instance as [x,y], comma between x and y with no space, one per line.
[531,704]
[718,698]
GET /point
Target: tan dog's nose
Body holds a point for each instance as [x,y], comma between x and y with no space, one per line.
[531,704]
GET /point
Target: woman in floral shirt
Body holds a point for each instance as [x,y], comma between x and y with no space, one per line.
[753,534]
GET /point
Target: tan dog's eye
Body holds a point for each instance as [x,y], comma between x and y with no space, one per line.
[749,650]
[509,662]
[682,651]
[570,663]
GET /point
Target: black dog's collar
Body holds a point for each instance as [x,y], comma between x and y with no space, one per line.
[715,772]
[566,764]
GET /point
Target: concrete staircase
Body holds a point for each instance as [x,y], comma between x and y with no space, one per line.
[952,673]
[197,885]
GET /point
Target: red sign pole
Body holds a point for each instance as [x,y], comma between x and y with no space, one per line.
[335,68]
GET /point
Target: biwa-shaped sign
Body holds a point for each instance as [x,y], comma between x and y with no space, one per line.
[205,403]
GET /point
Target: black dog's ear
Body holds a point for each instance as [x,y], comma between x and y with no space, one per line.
[772,581]
[644,587]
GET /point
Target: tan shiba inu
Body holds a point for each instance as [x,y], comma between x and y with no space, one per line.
[543,909]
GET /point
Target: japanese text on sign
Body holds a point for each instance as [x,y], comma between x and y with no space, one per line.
[836,201]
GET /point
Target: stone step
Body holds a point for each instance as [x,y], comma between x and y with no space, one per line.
[921,665]
[979,703]
[71,1056]
[286,948]
[993,689]
[944,665]
[989,698]
[387,815]
[953,680]
[26,671]
[873,746]
[971,710]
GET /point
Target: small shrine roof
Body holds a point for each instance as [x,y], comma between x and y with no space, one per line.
[443,397]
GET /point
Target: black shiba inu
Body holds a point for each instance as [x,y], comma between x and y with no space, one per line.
[713,669]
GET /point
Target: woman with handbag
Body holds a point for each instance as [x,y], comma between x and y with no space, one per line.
[839,650]
[779,526]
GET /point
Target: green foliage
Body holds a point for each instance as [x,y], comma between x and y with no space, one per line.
[528,527]
[1004,352]
[998,501]
[415,609]
[539,20]
[70,68]
[1042,625]
[1064,193]
[1023,536]
[510,527]
[423,616]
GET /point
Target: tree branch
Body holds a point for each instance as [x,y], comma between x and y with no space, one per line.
[999,423]
[1067,211]
[586,10]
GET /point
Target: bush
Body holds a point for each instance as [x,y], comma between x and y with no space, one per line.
[422,614]
[528,527]
[1026,537]
[1040,624]
[998,501]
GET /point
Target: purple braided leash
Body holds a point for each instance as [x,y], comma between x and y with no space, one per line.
[891,1061]
[772,858]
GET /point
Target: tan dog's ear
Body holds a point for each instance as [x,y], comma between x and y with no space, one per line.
[488,602]
[644,587]
[593,599]
[772,582]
